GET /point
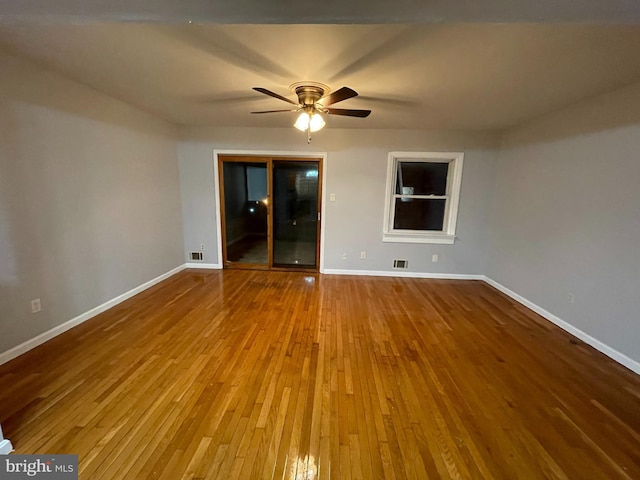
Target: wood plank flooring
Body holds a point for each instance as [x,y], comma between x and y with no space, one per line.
[245,374]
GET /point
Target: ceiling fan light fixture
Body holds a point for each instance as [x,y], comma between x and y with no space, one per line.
[311,121]
[302,123]
[313,98]
[316,122]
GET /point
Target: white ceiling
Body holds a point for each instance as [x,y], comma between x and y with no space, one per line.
[463,76]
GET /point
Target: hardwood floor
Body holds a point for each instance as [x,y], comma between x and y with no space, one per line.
[245,374]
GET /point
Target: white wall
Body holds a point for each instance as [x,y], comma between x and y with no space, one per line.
[356,172]
[567,217]
[89,199]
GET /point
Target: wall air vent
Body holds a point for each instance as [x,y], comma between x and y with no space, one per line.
[195,256]
[400,264]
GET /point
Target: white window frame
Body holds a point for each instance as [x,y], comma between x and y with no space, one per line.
[452,196]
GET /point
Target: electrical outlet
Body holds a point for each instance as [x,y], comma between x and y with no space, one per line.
[434,257]
[363,255]
[344,256]
[36,306]
[571,298]
[332,197]
[202,247]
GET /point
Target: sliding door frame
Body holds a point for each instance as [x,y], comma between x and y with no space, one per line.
[246,155]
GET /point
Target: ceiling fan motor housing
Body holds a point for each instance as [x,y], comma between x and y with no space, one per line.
[308,95]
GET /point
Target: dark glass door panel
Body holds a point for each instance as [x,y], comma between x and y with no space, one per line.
[295,214]
[245,211]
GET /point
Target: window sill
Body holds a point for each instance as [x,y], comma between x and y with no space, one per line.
[438,238]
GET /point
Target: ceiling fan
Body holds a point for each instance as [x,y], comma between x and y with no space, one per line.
[313,100]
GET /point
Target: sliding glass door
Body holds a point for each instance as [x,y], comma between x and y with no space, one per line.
[270,211]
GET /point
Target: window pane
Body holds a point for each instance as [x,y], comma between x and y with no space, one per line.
[421,178]
[419,214]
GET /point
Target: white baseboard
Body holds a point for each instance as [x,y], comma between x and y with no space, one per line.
[5,447]
[383,273]
[55,331]
[597,344]
[612,353]
[208,266]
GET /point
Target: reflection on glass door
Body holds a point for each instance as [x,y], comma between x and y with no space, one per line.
[295,213]
[246,231]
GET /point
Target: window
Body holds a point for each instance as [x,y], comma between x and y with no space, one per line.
[422,197]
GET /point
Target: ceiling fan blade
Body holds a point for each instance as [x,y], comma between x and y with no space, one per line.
[348,113]
[338,96]
[273,94]
[277,111]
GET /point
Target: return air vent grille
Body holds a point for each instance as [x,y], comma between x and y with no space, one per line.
[196,256]
[400,264]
